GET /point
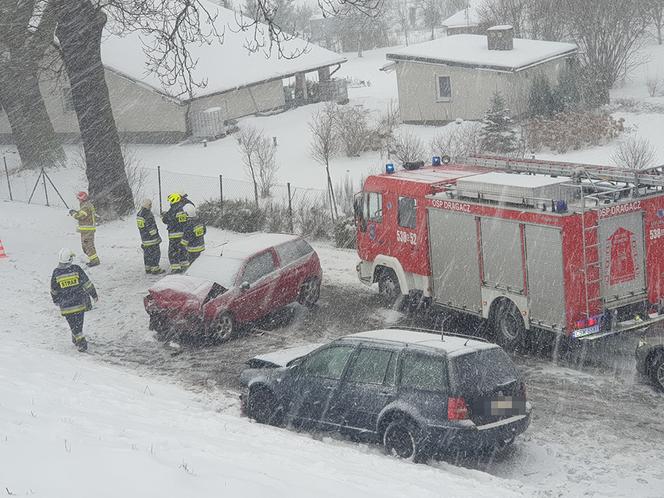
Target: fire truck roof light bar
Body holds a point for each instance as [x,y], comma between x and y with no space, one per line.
[650,177]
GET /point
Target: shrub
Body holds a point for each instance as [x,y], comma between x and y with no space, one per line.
[571,130]
[634,153]
[406,147]
[313,219]
[276,218]
[238,216]
[458,140]
[352,129]
[344,233]
[541,101]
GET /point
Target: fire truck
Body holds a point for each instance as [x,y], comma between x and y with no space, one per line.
[574,249]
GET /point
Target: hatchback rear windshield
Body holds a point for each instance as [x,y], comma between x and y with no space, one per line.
[483,371]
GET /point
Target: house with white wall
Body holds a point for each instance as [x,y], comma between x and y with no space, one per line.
[455,76]
[237,83]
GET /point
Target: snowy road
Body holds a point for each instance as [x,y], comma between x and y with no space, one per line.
[597,429]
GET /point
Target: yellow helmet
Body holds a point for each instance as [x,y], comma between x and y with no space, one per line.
[174,197]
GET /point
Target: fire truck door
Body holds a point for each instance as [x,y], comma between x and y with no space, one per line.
[622,258]
[371,233]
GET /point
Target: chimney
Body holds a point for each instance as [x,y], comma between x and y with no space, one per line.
[500,37]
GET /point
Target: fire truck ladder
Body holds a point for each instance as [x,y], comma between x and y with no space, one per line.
[591,259]
[647,177]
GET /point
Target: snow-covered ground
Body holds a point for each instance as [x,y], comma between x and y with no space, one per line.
[72,426]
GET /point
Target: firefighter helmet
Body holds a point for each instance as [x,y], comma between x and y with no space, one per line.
[174,197]
[65,255]
[82,196]
[190,209]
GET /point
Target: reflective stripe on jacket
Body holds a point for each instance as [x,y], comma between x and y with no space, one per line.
[174,219]
[193,237]
[71,289]
[147,228]
[87,217]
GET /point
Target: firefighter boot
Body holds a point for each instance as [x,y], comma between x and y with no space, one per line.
[80,342]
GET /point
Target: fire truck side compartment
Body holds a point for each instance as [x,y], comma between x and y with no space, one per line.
[544,264]
[623,278]
[454,260]
[501,255]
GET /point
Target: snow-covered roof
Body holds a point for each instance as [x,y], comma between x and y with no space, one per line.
[450,344]
[224,66]
[246,246]
[467,17]
[473,51]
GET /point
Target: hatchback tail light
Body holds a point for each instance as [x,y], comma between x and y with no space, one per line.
[457,409]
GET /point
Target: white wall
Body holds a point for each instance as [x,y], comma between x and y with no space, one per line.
[471,88]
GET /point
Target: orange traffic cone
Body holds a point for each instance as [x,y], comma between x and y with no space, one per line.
[3,254]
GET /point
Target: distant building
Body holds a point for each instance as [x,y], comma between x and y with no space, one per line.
[239,83]
[455,77]
[466,21]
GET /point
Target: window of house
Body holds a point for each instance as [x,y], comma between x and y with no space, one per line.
[375,207]
[67,101]
[444,88]
[406,214]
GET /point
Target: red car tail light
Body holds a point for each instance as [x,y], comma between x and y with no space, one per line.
[457,409]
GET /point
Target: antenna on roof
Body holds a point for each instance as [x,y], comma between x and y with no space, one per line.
[443,322]
[466,343]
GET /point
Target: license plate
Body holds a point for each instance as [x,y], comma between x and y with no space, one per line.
[587,331]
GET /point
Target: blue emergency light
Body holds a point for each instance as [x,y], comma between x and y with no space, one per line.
[389,168]
[435,161]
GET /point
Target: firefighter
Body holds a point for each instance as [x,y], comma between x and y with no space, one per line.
[174,219]
[193,238]
[150,239]
[87,226]
[71,290]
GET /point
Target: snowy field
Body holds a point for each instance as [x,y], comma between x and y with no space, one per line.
[131,403]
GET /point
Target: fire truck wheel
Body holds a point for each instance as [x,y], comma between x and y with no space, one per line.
[388,286]
[657,370]
[508,325]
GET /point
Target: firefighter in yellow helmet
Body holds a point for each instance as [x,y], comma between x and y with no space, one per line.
[175,219]
[87,226]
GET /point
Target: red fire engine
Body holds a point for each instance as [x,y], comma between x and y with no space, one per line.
[571,248]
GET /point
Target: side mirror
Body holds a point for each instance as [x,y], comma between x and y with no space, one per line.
[245,286]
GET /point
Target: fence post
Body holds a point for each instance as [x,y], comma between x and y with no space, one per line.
[221,192]
[45,189]
[290,208]
[159,183]
[9,185]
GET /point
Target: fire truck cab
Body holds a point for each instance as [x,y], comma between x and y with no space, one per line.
[570,248]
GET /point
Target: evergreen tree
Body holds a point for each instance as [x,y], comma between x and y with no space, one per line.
[541,99]
[498,134]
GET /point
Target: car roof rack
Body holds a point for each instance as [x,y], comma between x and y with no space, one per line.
[441,332]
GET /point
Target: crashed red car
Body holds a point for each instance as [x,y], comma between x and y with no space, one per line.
[251,278]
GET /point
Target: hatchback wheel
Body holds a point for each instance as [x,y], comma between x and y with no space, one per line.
[508,325]
[309,292]
[223,328]
[403,439]
[657,370]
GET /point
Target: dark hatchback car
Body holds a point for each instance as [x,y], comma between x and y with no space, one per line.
[650,355]
[417,392]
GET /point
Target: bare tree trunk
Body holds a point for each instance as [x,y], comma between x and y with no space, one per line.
[32,130]
[659,33]
[79,31]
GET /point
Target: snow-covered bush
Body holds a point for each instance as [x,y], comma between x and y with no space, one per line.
[353,130]
[653,83]
[571,131]
[344,233]
[238,216]
[313,219]
[634,153]
[458,140]
[276,218]
[541,99]
[406,147]
[498,134]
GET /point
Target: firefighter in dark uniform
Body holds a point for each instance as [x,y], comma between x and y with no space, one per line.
[193,237]
[174,219]
[71,290]
[87,226]
[150,239]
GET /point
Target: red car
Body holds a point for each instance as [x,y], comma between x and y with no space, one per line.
[251,278]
